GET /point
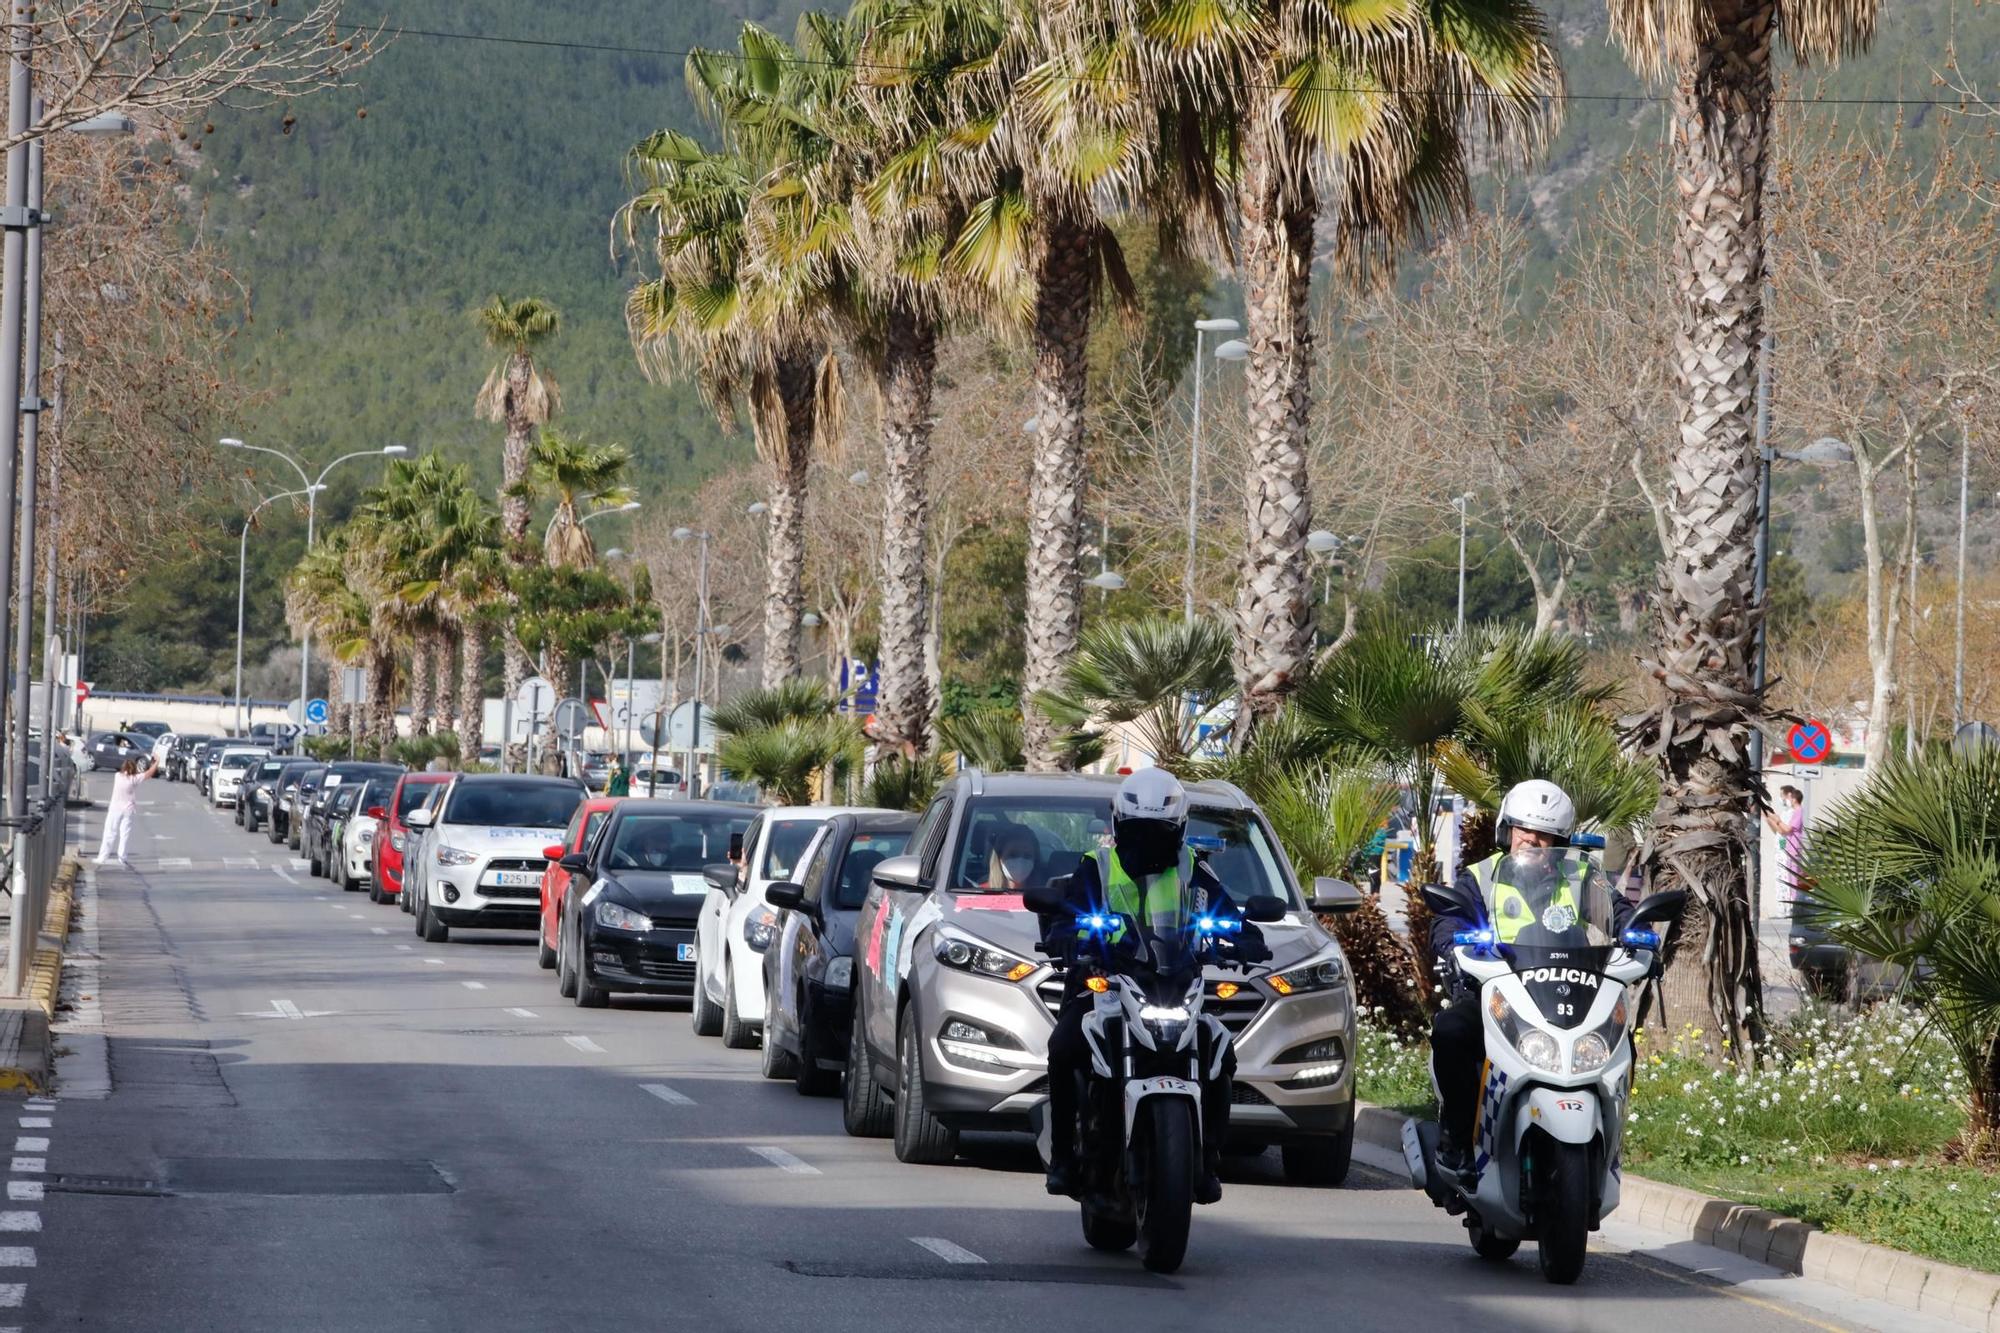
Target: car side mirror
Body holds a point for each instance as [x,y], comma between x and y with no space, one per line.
[1045,899]
[573,862]
[1664,906]
[1335,895]
[420,818]
[377,812]
[786,895]
[1446,900]
[1264,908]
[901,873]
[554,852]
[720,875]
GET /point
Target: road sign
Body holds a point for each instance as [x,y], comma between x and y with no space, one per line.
[680,730]
[316,712]
[860,681]
[536,696]
[1809,741]
[571,718]
[354,684]
[82,691]
[1974,737]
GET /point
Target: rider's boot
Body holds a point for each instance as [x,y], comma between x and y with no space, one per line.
[1208,1189]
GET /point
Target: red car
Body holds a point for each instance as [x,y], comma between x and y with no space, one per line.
[583,826]
[385,882]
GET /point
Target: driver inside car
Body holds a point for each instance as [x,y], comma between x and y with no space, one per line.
[1142,875]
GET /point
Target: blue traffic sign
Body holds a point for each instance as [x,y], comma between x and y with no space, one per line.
[316,712]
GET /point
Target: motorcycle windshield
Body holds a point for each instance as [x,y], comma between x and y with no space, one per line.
[1166,932]
[1545,898]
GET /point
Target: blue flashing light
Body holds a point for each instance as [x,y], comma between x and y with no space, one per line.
[1473,939]
[1640,939]
[1206,842]
[1217,925]
[1097,923]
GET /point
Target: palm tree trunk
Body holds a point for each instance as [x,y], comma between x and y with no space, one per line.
[909,365]
[471,691]
[1721,110]
[1273,605]
[1055,482]
[381,699]
[515,516]
[420,684]
[785,540]
[444,669]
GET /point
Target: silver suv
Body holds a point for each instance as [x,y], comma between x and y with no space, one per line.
[954,1005]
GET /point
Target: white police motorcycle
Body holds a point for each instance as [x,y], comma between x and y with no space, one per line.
[1549,1129]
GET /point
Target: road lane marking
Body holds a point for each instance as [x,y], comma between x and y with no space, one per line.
[286,1009]
[25,1191]
[31,1143]
[12,1294]
[40,1104]
[524,1013]
[285,875]
[945,1250]
[667,1094]
[36,1122]
[407,948]
[319,897]
[240,863]
[300,863]
[28,1165]
[356,916]
[17,1256]
[176,863]
[438,961]
[380,930]
[473,985]
[20,1221]
[784,1161]
[584,1044]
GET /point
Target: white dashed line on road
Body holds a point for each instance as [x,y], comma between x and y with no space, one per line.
[584,1044]
[25,1191]
[20,1221]
[473,985]
[241,863]
[286,876]
[28,1165]
[784,1161]
[524,1013]
[12,1294]
[667,1094]
[378,930]
[30,1143]
[438,961]
[407,948]
[176,863]
[945,1250]
[17,1256]
[35,1122]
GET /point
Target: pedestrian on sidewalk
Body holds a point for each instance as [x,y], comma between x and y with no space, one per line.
[124,805]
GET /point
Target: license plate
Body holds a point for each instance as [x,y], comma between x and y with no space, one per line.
[684,953]
[515,878]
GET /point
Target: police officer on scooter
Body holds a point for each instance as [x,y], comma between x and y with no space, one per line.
[1141,875]
[1533,875]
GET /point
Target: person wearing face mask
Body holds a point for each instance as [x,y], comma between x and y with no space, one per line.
[1015,856]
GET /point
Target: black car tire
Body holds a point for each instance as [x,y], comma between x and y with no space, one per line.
[866,1111]
[808,1077]
[587,995]
[292,836]
[250,820]
[777,1062]
[737,1035]
[545,957]
[275,834]
[375,890]
[1320,1163]
[239,814]
[921,1138]
[433,930]
[316,868]
[705,1014]
[565,975]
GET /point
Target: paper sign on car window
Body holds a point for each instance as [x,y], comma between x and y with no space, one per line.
[689,883]
[513,833]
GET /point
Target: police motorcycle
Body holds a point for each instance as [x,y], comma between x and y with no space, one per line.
[1139,1131]
[1549,1129]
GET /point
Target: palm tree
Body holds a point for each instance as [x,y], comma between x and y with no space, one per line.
[1143,672]
[988,738]
[1720,59]
[342,589]
[735,322]
[1904,871]
[783,737]
[521,393]
[579,477]
[398,508]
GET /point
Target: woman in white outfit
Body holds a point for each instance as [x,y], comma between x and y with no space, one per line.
[124,804]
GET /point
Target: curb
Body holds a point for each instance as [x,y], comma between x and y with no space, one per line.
[27,1055]
[1963,1296]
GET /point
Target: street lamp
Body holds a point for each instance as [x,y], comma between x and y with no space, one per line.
[1202,328]
[701,631]
[313,486]
[242,575]
[757,507]
[1461,503]
[625,508]
[1106,580]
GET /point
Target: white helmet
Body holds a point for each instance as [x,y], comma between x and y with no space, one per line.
[1539,805]
[1149,821]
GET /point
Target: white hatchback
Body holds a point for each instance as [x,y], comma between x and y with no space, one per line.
[479,855]
[235,763]
[737,924]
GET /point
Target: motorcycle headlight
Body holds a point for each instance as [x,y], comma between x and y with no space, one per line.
[1593,1049]
[761,929]
[1322,974]
[971,956]
[1540,1049]
[453,856]
[840,974]
[616,916]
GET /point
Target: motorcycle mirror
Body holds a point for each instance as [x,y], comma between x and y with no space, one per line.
[1264,908]
[1664,906]
[1334,895]
[1044,899]
[1446,900]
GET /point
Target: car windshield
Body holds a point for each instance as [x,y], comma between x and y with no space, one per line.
[239,760]
[787,843]
[343,799]
[866,850]
[1065,829]
[672,841]
[513,804]
[412,796]
[270,768]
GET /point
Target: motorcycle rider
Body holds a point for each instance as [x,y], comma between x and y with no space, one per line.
[1533,873]
[1145,870]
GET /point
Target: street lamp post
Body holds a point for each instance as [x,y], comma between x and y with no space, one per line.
[701,628]
[242,576]
[1958,627]
[1462,503]
[313,485]
[1202,327]
[1323,543]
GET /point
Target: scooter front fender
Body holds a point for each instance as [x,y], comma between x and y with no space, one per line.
[1567,1115]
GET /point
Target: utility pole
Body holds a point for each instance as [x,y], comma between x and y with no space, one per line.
[18,219]
[31,421]
[1463,503]
[1958,629]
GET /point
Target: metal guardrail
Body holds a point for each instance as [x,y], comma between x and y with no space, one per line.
[34,852]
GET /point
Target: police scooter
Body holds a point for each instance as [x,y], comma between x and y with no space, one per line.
[1549,1130]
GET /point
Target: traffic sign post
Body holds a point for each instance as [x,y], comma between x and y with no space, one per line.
[1809,741]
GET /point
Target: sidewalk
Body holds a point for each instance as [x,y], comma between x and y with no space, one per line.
[26,1044]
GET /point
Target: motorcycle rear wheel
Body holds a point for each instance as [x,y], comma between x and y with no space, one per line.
[1563,1195]
[1166,1201]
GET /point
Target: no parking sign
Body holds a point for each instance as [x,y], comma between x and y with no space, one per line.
[1809,741]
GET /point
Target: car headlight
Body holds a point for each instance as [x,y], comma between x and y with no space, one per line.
[1593,1049]
[977,1043]
[399,840]
[969,955]
[840,973]
[1322,974]
[368,835]
[760,929]
[453,856]
[616,916]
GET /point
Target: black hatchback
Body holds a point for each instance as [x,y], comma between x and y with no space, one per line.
[285,799]
[317,822]
[809,971]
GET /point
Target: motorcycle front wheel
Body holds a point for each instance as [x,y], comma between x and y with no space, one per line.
[1166,1197]
[1563,1207]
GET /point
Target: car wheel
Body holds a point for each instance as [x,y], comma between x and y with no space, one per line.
[565,974]
[433,930]
[737,1035]
[292,837]
[251,822]
[921,1138]
[705,1014]
[545,957]
[866,1112]
[777,1062]
[1319,1162]
[808,1077]
[271,833]
[375,890]
[587,995]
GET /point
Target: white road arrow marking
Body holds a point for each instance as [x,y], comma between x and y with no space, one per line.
[945,1250]
[286,1009]
[584,1044]
[667,1094]
[523,1013]
[784,1161]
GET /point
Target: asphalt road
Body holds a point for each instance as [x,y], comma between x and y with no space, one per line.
[313,1120]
